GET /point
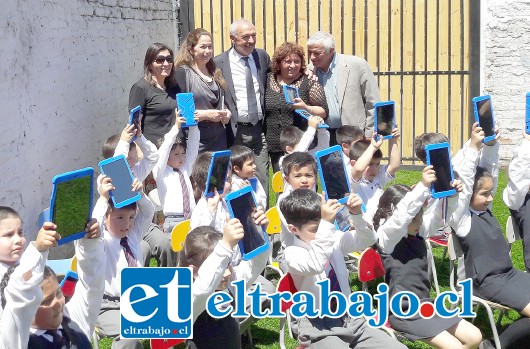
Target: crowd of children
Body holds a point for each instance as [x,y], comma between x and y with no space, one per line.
[397,221]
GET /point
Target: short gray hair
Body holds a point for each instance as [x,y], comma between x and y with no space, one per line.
[235,25]
[324,38]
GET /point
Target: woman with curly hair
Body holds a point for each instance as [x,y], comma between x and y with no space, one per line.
[288,67]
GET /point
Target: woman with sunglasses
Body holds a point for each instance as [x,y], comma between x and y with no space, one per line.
[155,92]
[196,72]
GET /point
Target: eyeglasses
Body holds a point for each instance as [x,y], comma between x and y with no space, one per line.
[161,59]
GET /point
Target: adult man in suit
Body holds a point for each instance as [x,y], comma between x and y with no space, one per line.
[349,83]
[245,69]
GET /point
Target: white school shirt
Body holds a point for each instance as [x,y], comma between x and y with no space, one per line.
[114,253]
[307,263]
[143,167]
[211,273]
[459,209]
[237,67]
[259,194]
[395,228]
[370,192]
[519,173]
[168,180]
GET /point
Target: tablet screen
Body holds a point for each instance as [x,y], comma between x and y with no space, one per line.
[121,180]
[218,174]
[135,116]
[244,208]
[485,117]
[440,161]
[71,209]
[334,175]
[385,119]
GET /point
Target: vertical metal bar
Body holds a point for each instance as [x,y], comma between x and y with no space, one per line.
[378,45]
[425,66]
[462,106]
[342,19]
[401,78]
[389,30]
[437,64]
[365,29]
[414,75]
[354,27]
[449,76]
[284,21]
[474,54]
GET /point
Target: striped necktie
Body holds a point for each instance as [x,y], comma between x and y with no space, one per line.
[333,286]
[129,256]
[186,208]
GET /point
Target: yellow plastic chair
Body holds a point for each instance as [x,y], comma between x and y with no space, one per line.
[277,182]
[274,227]
[178,235]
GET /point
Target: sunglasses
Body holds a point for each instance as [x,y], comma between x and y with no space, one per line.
[161,59]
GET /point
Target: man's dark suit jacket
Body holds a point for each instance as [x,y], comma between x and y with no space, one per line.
[222,62]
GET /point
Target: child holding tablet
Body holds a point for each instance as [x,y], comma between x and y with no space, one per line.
[209,254]
[122,232]
[244,170]
[368,177]
[397,221]
[172,174]
[317,252]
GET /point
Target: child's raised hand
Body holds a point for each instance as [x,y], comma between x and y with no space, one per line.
[457,184]
[128,133]
[314,121]
[179,120]
[104,186]
[395,133]
[477,136]
[497,136]
[233,232]
[428,176]
[329,208]
[526,136]
[377,141]
[137,185]
[259,216]
[213,201]
[47,237]
[92,229]
[354,204]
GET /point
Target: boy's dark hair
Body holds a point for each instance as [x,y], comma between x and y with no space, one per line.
[110,146]
[199,244]
[390,198]
[348,134]
[301,206]
[297,160]
[427,138]
[290,137]
[200,170]
[178,141]
[8,212]
[240,154]
[480,175]
[358,148]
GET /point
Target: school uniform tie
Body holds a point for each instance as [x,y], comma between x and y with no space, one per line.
[333,286]
[186,208]
[58,338]
[129,256]
[251,94]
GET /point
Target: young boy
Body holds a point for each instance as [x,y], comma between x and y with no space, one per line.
[316,253]
[292,139]
[155,243]
[244,172]
[368,179]
[516,195]
[122,230]
[171,174]
[347,135]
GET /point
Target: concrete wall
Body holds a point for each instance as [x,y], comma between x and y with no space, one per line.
[505,65]
[66,71]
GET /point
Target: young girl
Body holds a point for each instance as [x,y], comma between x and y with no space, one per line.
[397,222]
[33,303]
[486,252]
[209,253]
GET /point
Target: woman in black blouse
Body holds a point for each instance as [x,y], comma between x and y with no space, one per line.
[155,92]
[196,72]
[288,67]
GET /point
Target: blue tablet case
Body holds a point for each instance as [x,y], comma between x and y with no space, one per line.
[186,106]
[134,117]
[439,156]
[290,93]
[527,118]
[242,205]
[71,217]
[119,171]
[305,114]
[216,175]
[485,120]
[332,173]
[384,119]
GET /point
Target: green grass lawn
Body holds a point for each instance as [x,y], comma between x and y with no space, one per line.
[265,332]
